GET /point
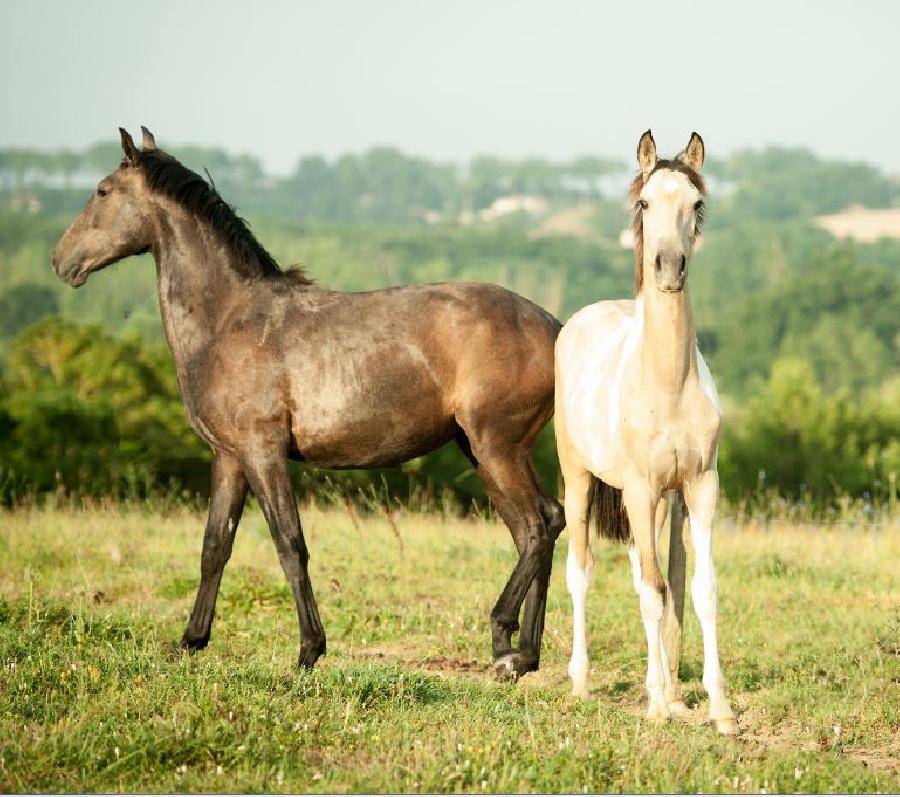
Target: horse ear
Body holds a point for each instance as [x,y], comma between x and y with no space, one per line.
[128,147]
[148,141]
[692,155]
[646,154]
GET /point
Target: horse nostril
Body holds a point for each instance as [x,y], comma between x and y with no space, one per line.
[681,270]
[658,263]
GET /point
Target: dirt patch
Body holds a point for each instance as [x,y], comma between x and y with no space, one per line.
[763,736]
[406,655]
[758,731]
[453,664]
[886,759]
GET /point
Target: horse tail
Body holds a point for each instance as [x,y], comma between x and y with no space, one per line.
[607,512]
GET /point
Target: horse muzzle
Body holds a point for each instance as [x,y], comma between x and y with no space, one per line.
[73,272]
[670,272]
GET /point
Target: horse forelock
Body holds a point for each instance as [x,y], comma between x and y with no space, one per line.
[637,220]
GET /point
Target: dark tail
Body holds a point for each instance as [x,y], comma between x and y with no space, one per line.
[607,512]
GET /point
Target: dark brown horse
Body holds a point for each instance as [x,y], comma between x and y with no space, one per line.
[272,367]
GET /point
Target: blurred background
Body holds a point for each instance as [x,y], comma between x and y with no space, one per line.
[402,142]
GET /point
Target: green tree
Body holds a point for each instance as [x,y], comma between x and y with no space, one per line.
[23,305]
[107,406]
[793,437]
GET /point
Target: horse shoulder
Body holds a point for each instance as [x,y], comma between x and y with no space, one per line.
[590,328]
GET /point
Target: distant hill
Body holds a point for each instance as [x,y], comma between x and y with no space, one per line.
[865,225]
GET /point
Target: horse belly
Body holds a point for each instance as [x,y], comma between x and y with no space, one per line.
[370,417]
[375,442]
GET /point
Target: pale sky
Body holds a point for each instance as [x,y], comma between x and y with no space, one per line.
[454,78]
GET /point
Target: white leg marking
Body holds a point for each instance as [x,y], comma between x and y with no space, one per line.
[652,614]
[635,569]
[577,580]
[651,602]
[704,594]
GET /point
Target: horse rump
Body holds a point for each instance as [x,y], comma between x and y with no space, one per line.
[607,512]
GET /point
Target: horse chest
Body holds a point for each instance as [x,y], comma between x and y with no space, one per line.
[204,420]
[672,444]
[229,397]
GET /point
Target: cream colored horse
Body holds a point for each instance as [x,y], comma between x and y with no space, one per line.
[637,415]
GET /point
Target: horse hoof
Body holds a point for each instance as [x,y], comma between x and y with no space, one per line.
[677,708]
[310,655]
[305,662]
[175,651]
[193,645]
[578,671]
[658,714]
[505,668]
[513,665]
[727,726]
[579,678]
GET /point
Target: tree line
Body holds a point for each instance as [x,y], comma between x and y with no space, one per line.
[383,185]
[801,331]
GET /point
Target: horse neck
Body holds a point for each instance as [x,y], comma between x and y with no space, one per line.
[668,343]
[194,281]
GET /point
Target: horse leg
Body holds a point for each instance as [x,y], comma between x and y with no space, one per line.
[510,482]
[674,616]
[651,588]
[228,492]
[701,496]
[578,484]
[579,562]
[510,487]
[535,609]
[272,485]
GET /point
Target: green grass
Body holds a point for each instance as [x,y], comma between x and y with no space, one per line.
[92,697]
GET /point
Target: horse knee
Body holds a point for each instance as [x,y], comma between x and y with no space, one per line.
[577,577]
[704,592]
[214,556]
[644,576]
[649,586]
[653,602]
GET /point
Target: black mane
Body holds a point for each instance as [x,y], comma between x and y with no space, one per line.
[166,176]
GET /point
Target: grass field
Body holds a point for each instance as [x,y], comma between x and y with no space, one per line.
[92,697]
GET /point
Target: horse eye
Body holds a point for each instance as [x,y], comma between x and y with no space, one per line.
[698,205]
[101,191]
[642,203]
